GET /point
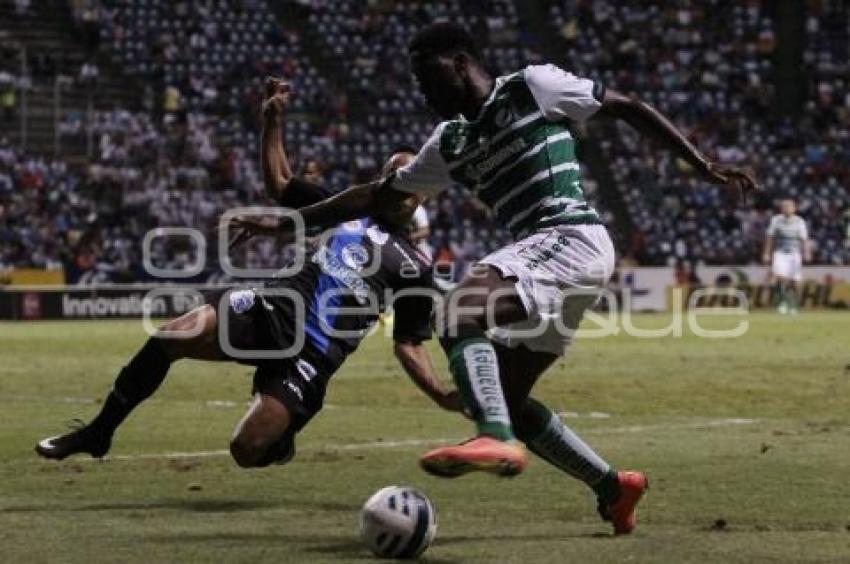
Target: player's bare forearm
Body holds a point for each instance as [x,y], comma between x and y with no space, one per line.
[276,171]
[768,248]
[353,203]
[416,362]
[275,165]
[649,122]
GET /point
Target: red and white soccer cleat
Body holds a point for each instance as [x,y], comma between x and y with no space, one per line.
[480,454]
[623,512]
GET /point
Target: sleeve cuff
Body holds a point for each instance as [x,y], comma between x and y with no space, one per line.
[599,91]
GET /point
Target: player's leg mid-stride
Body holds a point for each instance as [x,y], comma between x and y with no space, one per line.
[475,369]
[137,381]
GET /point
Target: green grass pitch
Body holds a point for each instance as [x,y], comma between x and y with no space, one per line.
[746,442]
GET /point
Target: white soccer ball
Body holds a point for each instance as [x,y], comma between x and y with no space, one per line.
[398,522]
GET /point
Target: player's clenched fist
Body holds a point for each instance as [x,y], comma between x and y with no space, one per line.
[278,95]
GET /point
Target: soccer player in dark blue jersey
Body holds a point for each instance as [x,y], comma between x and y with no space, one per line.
[322,312]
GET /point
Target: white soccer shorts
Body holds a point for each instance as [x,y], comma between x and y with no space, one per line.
[788,265]
[560,273]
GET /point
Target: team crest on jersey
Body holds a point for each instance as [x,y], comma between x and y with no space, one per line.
[354,255]
[503,116]
[242,300]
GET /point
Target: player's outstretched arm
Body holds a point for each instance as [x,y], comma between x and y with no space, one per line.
[651,123]
[364,200]
[276,170]
[414,358]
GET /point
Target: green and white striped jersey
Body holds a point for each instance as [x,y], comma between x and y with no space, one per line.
[518,156]
[788,233]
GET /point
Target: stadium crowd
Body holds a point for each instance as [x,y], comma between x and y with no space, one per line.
[192,152]
[709,64]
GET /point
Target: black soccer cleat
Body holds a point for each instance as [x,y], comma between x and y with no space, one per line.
[82,439]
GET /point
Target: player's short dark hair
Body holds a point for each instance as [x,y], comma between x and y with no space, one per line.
[403,149]
[442,38]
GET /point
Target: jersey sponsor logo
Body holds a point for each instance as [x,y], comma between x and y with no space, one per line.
[334,267]
[354,255]
[477,171]
[242,300]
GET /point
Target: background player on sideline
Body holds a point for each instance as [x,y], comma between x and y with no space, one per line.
[786,247]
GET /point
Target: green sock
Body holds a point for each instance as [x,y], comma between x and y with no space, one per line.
[780,294]
[549,438]
[475,369]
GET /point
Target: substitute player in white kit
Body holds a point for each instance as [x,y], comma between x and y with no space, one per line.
[786,247]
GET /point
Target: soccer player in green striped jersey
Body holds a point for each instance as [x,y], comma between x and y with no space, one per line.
[510,140]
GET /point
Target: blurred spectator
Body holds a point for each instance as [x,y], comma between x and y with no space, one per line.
[89,73]
[707,64]
[8,96]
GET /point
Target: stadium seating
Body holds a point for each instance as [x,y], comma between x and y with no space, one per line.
[708,65]
[192,153]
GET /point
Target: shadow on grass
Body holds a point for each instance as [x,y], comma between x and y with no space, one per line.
[462,539]
[353,549]
[348,549]
[191,505]
[194,505]
[255,538]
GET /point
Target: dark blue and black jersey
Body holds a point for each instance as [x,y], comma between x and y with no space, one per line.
[358,268]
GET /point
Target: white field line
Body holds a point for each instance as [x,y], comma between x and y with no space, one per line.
[78,399]
[725,422]
[230,404]
[219,404]
[403,443]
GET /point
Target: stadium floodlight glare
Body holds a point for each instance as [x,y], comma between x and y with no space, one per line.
[284,271]
[186,272]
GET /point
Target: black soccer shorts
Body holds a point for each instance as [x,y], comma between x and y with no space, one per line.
[299,382]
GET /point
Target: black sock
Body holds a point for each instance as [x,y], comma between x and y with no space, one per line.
[135,383]
[608,488]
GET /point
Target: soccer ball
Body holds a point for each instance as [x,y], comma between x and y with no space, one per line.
[398,522]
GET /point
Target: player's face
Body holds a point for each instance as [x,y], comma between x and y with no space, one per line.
[312,171]
[441,80]
[788,207]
